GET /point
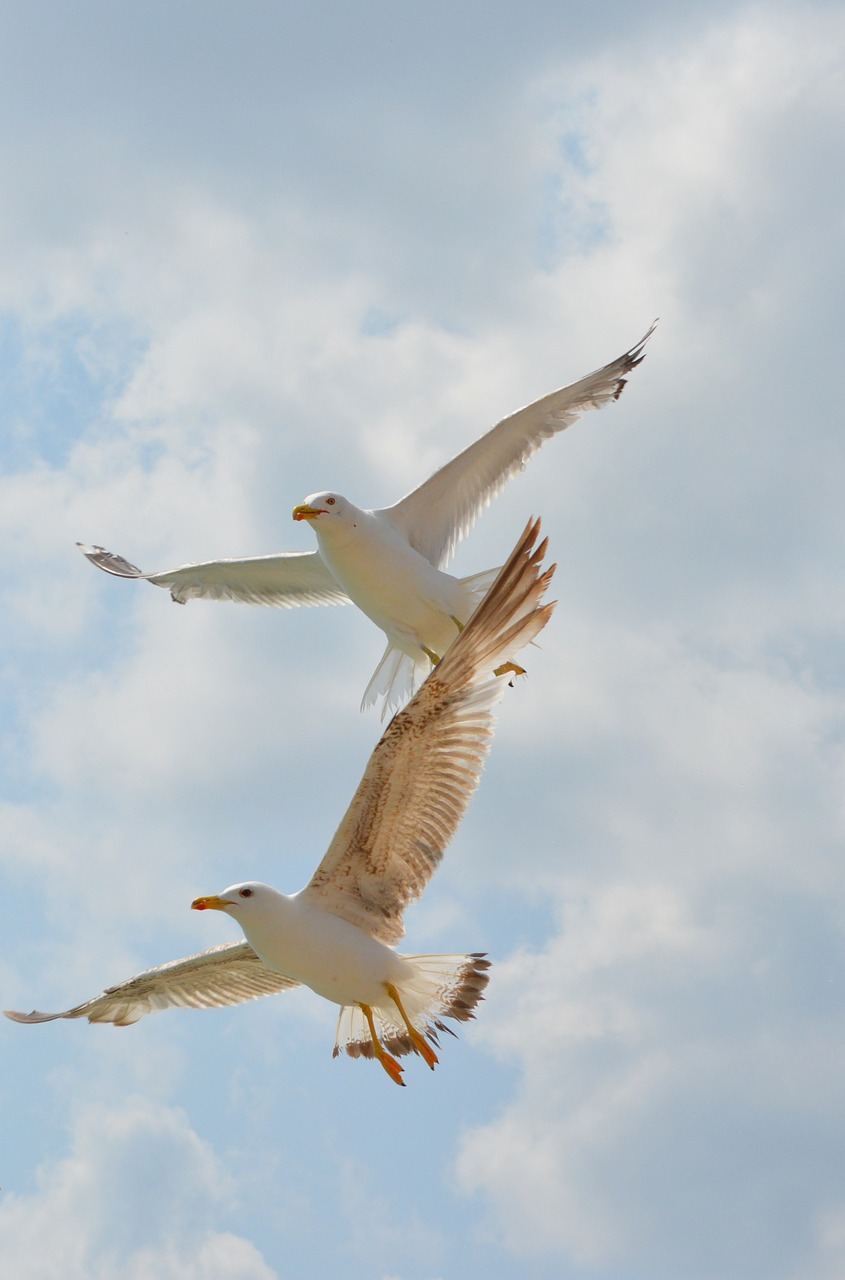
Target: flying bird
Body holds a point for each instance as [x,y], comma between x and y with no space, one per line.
[337,935]
[390,561]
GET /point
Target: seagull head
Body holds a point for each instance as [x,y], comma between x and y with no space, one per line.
[322,506]
[237,899]
[260,910]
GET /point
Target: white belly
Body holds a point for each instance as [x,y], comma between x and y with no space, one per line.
[332,957]
[403,593]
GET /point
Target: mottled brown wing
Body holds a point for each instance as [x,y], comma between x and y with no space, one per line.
[421,776]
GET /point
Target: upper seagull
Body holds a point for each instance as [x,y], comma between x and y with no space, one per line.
[335,935]
[390,561]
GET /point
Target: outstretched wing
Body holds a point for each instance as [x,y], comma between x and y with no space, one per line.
[227,974]
[436,516]
[421,776]
[283,581]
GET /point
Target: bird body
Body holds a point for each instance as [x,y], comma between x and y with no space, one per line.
[419,607]
[295,936]
[390,561]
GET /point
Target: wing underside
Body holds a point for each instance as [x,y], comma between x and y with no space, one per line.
[280,581]
[436,515]
[223,975]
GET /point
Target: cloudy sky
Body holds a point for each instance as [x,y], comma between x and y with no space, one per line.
[252,251]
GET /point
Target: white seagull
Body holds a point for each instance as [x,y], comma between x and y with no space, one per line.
[336,934]
[390,562]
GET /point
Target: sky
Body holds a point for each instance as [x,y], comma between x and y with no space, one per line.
[250,252]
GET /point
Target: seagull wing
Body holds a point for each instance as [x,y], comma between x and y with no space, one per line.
[421,776]
[227,974]
[444,508]
[283,581]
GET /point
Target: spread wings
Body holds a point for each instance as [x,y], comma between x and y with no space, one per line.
[435,516]
[227,974]
[421,775]
[283,581]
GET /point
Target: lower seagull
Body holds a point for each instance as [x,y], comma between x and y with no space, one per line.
[336,935]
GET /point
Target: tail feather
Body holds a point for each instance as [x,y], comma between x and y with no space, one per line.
[397,675]
[395,678]
[480,583]
[440,987]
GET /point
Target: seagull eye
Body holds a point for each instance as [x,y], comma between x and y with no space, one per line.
[246,893]
[330,502]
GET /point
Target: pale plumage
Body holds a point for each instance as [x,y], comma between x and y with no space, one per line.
[390,561]
[336,934]
[226,974]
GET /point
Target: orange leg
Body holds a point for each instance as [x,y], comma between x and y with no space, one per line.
[419,1042]
[390,1064]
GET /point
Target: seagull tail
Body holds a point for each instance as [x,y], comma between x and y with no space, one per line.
[395,679]
[439,987]
[397,675]
[478,584]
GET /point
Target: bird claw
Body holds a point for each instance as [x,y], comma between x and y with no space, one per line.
[393,1068]
[510,668]
[424,1049]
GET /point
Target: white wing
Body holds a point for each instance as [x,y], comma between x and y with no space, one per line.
[283,581]
[435,516]
[227,974]
[421,776]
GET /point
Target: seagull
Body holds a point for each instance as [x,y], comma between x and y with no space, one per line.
[390,561]
[338,934]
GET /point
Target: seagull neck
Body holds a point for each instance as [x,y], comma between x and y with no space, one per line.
[341,533]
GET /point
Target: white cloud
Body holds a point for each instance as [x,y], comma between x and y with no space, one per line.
[676,1073]
[138,1197]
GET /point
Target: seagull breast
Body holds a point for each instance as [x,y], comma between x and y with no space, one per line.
[397,588]
[336,959]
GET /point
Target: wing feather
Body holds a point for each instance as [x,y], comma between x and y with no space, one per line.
[230,973]
[422,773]
[435,516]
[281,581]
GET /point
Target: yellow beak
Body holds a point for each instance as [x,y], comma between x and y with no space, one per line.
[304,512]
[212,903]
